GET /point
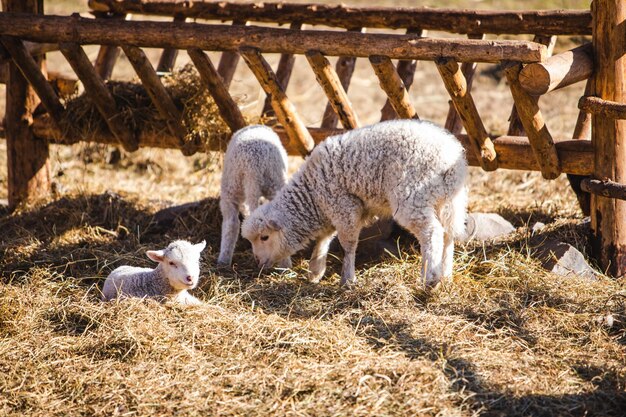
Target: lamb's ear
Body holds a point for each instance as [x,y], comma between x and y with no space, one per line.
[156,255]
[273,225]
[200,246]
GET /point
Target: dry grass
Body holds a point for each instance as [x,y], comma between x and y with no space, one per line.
[502,338]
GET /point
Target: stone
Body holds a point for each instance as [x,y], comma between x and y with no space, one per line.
[486,226]
[537,227]
[563,259]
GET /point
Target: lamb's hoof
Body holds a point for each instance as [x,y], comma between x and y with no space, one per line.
[314,278]
[223,266]
[348,283]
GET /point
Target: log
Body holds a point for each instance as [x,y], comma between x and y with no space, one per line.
[227,107]
[329,81]
[455,83]
[33,48]
[228,61]
[27,156]
[108,54]
[345,68]
[283,73]
[453,121]
[392,85]
[550,22]
[607,188]
[268,40]
[515,124]
[286,113]
[558,71]
[605,108]
[98,94]
[32,72]
[157,92]
[513,152]
[169,55]
[608,135]
[406,71]
[534,125]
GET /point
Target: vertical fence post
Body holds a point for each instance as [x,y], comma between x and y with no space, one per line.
[608,216]
[27,156]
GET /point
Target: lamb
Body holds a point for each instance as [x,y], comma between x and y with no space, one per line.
[255,167]
[177,272]
[410,170]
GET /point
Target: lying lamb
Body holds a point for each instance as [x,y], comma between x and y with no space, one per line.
[411,170]
[178,271]
[255,166]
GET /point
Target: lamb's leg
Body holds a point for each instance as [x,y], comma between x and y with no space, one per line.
[253,197]
[317,264]
[429,231]
[230,231]
[348,221]
[448,254]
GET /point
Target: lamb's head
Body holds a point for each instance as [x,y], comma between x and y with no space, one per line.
[267,237]
[180,263]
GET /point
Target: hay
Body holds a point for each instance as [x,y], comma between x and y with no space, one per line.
[200,115]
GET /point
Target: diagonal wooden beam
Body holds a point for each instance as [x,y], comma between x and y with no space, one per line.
[534,125]
[299,135]
[337,97]
[456,85]
[393,86]
[99,94]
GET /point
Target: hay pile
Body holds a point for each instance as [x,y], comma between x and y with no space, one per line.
[201,117]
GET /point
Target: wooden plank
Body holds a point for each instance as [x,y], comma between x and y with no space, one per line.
[468,69]
[31,70]
[227,107]
[455,83]
[550,22]
[181,35]
[608,135]
[283,73]
[108,54]
[605,108]
[157,92]
[344,67]
[169,55]
[393,86]
[558,71]
[337,96]
[229,60]
[607,188]
[406,71]
[99,94]
[28,164]
[286,113]
[534,125]
[513,152]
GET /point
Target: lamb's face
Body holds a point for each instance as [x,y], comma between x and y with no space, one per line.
[266,237]
[180,262]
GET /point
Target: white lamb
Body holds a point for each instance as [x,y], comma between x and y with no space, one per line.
[255,167]
[177,272]
[413,171]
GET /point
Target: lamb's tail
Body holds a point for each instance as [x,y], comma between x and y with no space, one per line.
[454,212]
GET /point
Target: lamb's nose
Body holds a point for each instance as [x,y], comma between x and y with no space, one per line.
[189,279]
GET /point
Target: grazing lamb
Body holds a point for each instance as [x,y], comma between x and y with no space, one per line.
[178,271]
[411,170]
[255,166]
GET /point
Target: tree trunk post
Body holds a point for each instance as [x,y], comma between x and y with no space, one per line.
[27,156]
[608,136]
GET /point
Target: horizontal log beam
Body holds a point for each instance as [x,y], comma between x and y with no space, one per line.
[606,108]
[549,22]
[558,71]
[513,152]
[606,188]
[183,35]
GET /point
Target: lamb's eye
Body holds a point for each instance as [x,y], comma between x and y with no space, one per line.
[172,263]
[264,238]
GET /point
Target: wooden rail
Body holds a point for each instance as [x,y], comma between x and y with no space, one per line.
[268,40]
[606,108]
[549,22]
[606,188]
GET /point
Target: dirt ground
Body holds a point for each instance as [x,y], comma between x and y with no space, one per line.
[502,337]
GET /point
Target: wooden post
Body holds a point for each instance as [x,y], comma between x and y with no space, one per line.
[169,55]
[337,97]
[608,216]
[393,86]
[456,85]
[27,156]
[283,73]
[299,135]
[107,54]
[228,61]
